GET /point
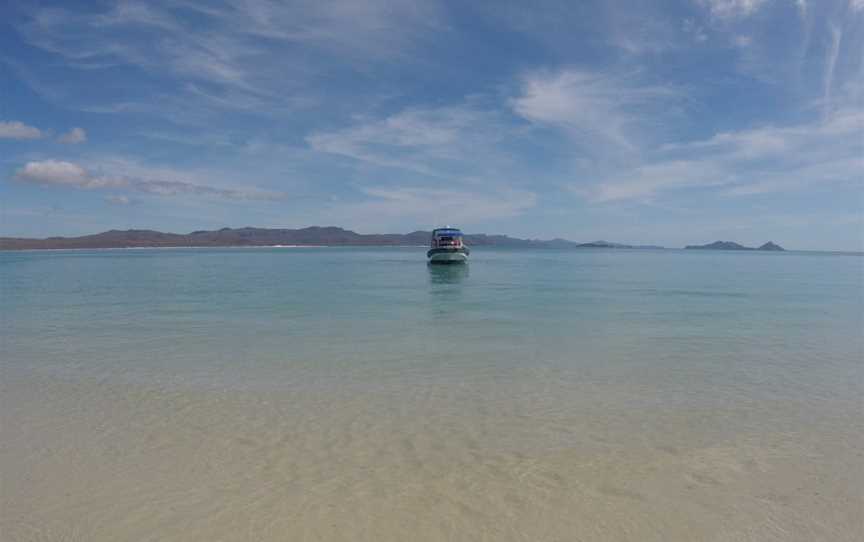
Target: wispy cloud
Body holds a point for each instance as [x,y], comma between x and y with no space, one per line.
[630,27]
[429,141]
[383,205]
[594,108]
[18,130]
[74,136]
[119,200]
[727,9]
[746,162]
[805,51]
[645,182]
[833,52]
[446,164]
[72,175]
[236,53]
[371,109]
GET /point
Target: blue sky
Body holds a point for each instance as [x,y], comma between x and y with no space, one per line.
[643,122]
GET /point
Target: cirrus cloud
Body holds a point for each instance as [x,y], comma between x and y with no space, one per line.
[729,9]
[235,54]
[454,142]
[597,109]
[745,162]
[72,175]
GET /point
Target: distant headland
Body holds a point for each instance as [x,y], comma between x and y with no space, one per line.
[250,237]
[311,236]
[729,245]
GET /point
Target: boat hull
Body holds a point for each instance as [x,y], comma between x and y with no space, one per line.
[448,255]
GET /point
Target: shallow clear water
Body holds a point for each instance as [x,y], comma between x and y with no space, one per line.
[536,395]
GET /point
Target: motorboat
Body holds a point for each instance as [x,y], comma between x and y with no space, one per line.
[447,246]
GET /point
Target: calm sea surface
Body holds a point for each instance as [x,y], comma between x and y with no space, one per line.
[359,394]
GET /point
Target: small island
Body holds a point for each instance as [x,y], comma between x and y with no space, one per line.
[729,245]
[608,244]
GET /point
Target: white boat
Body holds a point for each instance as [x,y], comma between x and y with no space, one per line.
[447,246]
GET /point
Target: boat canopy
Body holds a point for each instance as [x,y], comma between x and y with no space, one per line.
[453,232]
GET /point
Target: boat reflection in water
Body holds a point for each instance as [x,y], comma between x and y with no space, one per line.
[447,274]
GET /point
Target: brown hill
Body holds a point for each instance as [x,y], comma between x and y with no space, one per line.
[312,236]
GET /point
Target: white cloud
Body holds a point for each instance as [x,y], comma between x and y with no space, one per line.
[838,170]
[413,128]
[644,182]
[742,42]
[74,136]
[432,205]
[817,55]
[728,9]
[613,108]
[831,62]
[118,200]
[56,172]
[842,127]
[639,29]
[238,53]
[68,174]
[694,29]
[631,27]
[755,161]
[430,141]
[461,144]
[18,130]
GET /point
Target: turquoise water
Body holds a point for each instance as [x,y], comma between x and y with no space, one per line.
[249,317]
[594,353]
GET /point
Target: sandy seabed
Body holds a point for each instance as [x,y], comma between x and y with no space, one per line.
[96,461]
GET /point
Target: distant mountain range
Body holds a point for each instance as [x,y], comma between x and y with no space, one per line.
[729,245]
[312,236]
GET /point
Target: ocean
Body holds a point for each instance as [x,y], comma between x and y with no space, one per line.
[360,394]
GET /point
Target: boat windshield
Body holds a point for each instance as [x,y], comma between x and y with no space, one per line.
[446,238]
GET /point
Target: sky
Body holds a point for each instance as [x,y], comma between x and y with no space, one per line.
[659,122]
